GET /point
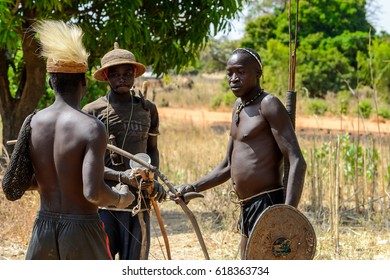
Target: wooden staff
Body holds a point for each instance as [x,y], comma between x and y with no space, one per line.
[291,95]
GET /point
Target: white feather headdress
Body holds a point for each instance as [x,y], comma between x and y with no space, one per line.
[62,46]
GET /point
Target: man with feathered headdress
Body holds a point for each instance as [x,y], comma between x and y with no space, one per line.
[67,147]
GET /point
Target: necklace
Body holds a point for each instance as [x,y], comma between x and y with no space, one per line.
[243,105]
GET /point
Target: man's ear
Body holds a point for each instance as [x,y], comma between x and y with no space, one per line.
[259,73]
[51,86]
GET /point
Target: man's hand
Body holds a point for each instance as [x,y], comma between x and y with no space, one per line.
[126,197]
[158,192]
[185,193]
[133,177]
[183,189]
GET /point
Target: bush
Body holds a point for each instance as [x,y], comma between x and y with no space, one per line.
[365,108]
[318,107]
[384,112]
[344,98]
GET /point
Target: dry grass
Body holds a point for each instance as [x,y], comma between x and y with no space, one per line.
[190,150]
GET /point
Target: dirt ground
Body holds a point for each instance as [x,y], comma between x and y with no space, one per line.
[302,123]
[183,241]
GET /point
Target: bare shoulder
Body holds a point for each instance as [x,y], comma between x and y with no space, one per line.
[271,105]
[94,128]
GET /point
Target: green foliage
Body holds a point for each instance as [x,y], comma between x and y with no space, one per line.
[317,107]
[226,99]
[332,17]
[164,103]
[321,69]
[215,55]
[356,160]
[94,90]
[141,26]
[275,71]
[384,112]
[46,99]
[333,35]
[352,156]
[374,67]
[344,98]
[365,108]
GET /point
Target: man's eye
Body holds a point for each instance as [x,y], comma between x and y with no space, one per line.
[113,75]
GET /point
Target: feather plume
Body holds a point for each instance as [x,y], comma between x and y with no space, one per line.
[61,42]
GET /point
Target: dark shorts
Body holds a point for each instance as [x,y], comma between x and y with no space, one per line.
[58,236]
[125,233]
[252,209]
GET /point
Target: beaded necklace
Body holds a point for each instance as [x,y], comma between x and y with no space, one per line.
[243,105]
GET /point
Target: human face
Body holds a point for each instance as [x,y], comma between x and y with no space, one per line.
[121,78]
[243,75]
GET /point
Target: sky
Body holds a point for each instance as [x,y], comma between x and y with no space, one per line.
[383,15]
[382,21]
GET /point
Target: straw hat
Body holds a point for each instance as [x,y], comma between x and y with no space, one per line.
[117,57]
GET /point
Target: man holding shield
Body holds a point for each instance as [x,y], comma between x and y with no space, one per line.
[261,136]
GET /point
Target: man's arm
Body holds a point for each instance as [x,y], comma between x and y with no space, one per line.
[220,174]
[284,133]
[152,151]
[95,189]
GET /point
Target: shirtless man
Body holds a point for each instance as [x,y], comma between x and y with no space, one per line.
[261,137]
[67,149]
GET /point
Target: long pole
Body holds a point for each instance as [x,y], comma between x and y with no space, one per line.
[291,95]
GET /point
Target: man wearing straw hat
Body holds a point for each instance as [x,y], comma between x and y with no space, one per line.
[66,151]
[132,124]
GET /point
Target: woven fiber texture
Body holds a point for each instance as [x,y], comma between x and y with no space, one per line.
[19,171]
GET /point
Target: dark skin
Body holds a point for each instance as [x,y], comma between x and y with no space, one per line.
[67,150]
[258,144]
[121,79]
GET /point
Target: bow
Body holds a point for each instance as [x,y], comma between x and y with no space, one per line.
[182,204]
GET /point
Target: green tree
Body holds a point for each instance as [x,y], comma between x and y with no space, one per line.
[165,35]
[331,34]
[375,71]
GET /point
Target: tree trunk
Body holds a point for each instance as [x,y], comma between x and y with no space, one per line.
[14,109]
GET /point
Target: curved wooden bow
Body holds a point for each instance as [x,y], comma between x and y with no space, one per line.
[182,204]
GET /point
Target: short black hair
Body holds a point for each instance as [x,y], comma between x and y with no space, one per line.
[66,82]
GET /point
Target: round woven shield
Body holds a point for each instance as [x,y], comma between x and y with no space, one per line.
[281,232]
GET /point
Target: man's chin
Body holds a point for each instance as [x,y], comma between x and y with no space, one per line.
[236,91]
[123,89]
